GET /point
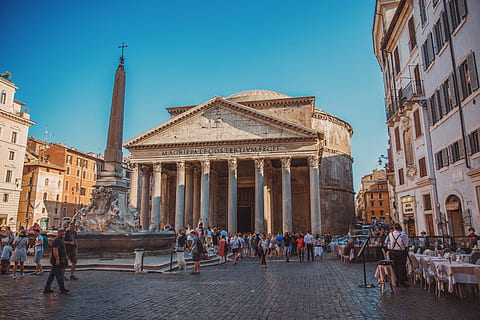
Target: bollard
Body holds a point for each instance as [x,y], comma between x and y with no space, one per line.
[138,266]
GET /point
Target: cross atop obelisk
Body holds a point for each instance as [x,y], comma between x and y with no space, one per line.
[122,58]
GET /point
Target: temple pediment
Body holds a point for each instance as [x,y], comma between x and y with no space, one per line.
[219,120]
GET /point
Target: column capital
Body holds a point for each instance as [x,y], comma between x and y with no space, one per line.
[205,166]
[232,164]
[285,162]
[259,163]
[180,164]
[313,161]
[157,167]
[145,169]
[134,165]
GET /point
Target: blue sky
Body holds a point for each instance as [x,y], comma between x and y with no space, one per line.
[63,54]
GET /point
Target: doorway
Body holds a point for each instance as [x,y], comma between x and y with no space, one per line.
[244,219]
[455,216]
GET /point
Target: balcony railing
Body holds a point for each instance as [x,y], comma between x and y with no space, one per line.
[412,90]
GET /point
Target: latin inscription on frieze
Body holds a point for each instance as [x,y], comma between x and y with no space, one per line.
[221,150]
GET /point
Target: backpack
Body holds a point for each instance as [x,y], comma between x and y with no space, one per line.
[45,242]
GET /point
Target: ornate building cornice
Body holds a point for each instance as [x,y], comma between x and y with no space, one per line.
[322,115]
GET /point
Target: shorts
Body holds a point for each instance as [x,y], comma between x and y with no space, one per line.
[19,255]
[287,249]
[195,256]
[72,254]
[235,250]
[38,255]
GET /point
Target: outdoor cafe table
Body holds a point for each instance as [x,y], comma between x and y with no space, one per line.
[457,272]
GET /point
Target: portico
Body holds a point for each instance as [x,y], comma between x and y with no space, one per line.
[231,165]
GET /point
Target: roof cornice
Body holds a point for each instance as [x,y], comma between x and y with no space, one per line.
[16,118]
[393,23]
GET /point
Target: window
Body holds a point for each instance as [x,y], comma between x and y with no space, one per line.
[65,199]
[423,12]
[85,163]
[43,210]
[83,191]
[416,122]
[457,151]
[46,182]
[66,184]
[68,170]
[14,137]
[474,141]
[398,146]
[428,52]
[401,178]
[372,203]
[379,195]
[411,31]
[56,211]
[427,202]
[371,195]
[372,212]
[382,212]
[57,198]
[468,76]
[440,33]
[84,174]
[5,197]
[11,155]
[456,11]
[69,159]
[77,186]
[380,188]
[78,173]
[396,58]
[45,196]
[79,162]
[59,184]
[64,212]
[422,166]
[441,158]
[448,94]
[8,176]
[3,97]
[380,203]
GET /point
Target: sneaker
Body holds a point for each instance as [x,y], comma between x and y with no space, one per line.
[73,278]
[48,291]
[14,277]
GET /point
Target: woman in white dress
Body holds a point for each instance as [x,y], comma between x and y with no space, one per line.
[19,256]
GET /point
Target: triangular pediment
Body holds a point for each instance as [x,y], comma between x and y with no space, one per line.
[220,120]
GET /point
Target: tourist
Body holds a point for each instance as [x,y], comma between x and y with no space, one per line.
[318,246]
[294,245]
[72,250]
[397,244]
[215,239]
[423,241]
[222,250]
[263,246]
[300,246]
[197,250]
[181,240]
[472,239]
[208,235]
[252,245]
[287,246]
[279,244]
[6,255]
[236,246]
[59,262]
[19,255]
[309,242]
[38,252]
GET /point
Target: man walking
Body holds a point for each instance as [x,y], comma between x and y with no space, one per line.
[72,250]
[58,259]
[38,252]
[309,240]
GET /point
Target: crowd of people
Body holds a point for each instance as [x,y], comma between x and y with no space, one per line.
[261,246]
[16,246]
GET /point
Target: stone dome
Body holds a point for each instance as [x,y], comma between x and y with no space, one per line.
[256,95]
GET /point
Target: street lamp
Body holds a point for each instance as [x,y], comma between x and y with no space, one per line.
[382,158]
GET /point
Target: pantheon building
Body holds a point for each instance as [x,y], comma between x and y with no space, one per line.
[255,161]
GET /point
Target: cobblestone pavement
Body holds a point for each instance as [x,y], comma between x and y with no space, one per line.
[325,289]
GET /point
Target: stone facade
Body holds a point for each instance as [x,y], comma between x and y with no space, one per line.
[255,161]
[14,125]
